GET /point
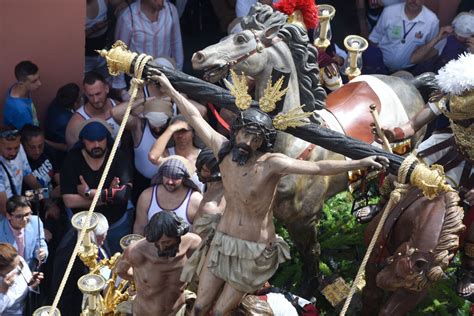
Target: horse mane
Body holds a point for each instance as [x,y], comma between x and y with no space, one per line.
[305,56]
[448,243]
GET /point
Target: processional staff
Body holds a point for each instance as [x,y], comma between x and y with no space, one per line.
[121,60]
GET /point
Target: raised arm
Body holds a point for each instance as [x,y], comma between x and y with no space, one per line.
[159,147]
[208,135]
[124,267]
[118,112]
[423,117]
[285,165]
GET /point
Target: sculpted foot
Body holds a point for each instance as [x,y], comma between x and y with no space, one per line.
[367,213]
[465,286]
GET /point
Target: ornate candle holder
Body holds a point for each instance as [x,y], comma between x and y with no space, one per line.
[355,45]
[91,285]
[322,33]
[88,251]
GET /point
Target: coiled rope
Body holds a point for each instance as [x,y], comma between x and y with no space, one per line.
[136,82]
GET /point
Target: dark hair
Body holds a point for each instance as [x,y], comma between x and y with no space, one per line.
[29,131]
[15,202]
[91,77]
[24,69]
[67,95]
[8,254]
[165,223]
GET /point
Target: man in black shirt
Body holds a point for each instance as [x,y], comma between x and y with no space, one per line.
[81,173]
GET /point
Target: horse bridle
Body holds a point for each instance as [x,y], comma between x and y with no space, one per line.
[260,46]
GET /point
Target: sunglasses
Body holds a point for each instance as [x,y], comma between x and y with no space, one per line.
[9,135]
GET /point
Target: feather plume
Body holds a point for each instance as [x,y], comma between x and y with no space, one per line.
[307,8]
[457,76]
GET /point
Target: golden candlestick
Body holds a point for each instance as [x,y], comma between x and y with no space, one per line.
[91,285]
[44,311]
[88,252]
[325,14]
[355,45]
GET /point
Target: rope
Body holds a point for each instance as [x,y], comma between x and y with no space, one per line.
[400,189]
[135,84]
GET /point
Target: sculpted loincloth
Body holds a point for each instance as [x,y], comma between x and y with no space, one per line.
[245,265]
[204,226]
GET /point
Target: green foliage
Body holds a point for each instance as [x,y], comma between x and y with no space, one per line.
[342,250]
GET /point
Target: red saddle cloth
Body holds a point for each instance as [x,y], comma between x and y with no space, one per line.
[350,104]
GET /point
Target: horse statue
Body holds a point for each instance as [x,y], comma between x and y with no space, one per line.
[417,242]
[268,42]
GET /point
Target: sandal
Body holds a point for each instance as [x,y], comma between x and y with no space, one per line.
[366,213]
[465,284]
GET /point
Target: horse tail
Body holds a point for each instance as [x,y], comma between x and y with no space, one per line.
[426,84]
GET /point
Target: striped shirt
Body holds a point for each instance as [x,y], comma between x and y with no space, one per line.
[161,38]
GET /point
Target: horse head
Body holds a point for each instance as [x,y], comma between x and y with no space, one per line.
[408,269]
[244,52]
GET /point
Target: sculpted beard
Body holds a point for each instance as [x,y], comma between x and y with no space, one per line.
[241,157]
[169,251]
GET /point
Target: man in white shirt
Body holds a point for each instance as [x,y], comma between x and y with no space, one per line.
[407,34]
[14,167]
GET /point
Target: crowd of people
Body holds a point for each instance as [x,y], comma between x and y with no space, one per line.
[169,177]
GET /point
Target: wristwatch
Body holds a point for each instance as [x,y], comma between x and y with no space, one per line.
[88,193]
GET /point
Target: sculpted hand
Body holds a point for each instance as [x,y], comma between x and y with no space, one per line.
[377,162]
[161,80]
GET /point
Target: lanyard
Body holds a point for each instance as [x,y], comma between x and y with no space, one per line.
[405,33]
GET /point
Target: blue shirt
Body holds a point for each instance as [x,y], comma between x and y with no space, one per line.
[19,111]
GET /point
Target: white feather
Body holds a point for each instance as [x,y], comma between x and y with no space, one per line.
[457,76]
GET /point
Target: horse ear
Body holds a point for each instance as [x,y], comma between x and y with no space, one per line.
[269,34]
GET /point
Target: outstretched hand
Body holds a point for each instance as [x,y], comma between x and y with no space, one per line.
[377,162]
[159,78]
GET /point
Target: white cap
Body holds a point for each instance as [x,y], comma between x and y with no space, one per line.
[463,24]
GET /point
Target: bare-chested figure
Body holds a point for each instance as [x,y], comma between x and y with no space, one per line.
[209,212]
[155,264]
[245,251]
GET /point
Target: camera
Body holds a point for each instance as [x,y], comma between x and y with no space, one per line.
[37,194]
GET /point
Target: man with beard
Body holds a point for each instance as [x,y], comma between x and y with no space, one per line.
[155,264]
[245,251]
[81,173]
[98,106]
[14,167]
[173,191]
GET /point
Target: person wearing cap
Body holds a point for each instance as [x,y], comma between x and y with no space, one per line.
[98,105]
[183,138]
[155,264]
[82,170]
[460,41]
[14,167]
[173,191]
